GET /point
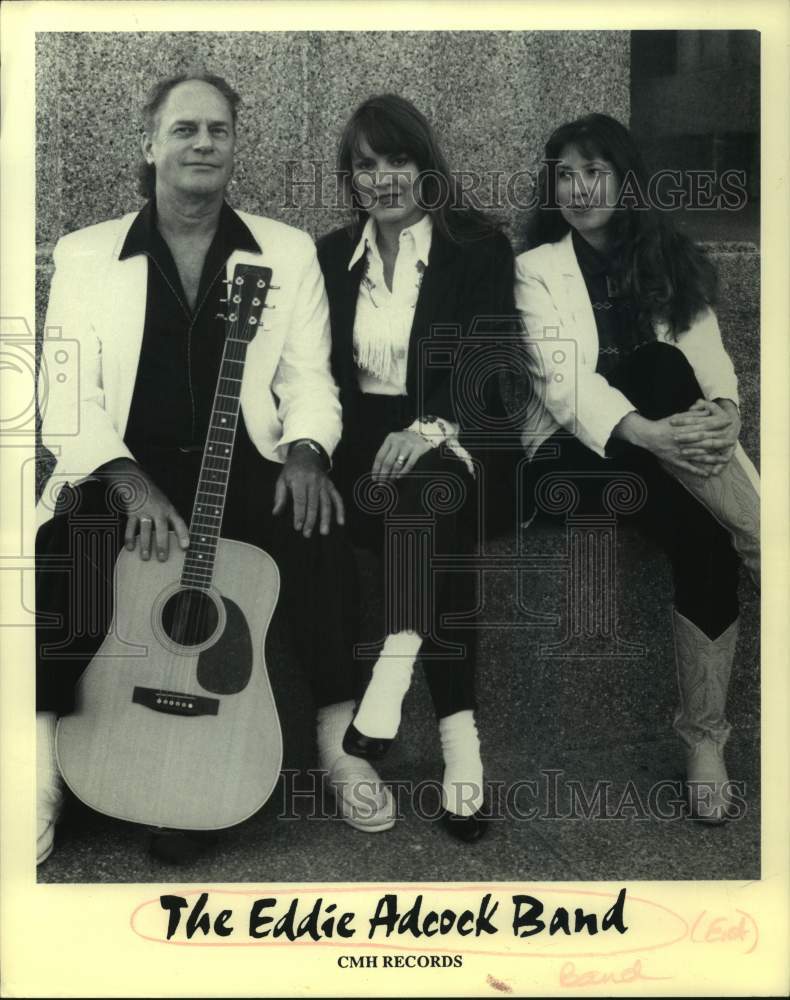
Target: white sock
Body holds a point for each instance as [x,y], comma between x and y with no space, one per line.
[379,710]
[332,721]
[462,784]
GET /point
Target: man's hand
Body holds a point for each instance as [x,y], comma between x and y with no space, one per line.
[399,454]
[148,509]
[313,494]
[708,432]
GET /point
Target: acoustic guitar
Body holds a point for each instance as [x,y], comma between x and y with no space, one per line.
[186,735]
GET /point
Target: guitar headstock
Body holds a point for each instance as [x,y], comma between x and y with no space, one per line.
[246,301]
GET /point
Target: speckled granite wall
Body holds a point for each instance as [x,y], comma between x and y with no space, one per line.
[493,97]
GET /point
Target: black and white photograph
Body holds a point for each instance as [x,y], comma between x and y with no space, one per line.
[393,500]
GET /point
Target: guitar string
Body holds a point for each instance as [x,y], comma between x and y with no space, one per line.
[186,599]
[196,593]
[235,351]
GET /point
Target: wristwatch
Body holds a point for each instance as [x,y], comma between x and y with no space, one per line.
[313,446]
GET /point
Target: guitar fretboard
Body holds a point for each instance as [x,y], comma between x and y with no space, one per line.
[244,310]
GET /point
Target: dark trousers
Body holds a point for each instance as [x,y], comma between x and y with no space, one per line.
[76,552]
[408,521]
[659,381]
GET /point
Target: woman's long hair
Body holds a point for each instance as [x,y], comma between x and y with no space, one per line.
[392,126]
[665,276]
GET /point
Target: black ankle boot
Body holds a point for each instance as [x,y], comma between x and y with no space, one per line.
[467,829]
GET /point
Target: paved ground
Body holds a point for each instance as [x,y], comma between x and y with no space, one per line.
[628,845]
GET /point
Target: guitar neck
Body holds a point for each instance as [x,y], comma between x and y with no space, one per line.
[212,489]
[244,311]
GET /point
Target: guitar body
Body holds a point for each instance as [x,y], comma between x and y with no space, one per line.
[175,722]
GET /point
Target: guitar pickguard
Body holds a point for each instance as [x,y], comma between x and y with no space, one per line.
[225,667]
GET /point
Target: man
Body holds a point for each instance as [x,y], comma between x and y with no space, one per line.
[144,296]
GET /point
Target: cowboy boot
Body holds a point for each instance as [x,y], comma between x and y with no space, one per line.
[703,669]
[733,498]
[49,785]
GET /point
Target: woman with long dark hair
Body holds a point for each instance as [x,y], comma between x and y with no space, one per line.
[413,258]
[652,392]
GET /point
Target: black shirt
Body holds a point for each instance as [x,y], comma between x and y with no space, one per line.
[180,355]
[615,317]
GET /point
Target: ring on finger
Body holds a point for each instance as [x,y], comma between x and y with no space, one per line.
[400,459]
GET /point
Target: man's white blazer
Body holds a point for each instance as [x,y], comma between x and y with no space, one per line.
[98,303]
[561,339]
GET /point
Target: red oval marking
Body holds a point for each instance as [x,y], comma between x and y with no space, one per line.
[415,944]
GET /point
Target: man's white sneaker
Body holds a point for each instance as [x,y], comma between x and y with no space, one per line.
[365,802]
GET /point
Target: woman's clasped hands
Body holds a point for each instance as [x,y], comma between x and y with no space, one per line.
[707,434]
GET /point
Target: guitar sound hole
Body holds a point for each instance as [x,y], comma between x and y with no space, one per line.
[189,617]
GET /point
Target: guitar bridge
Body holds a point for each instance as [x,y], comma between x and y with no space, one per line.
[175,702]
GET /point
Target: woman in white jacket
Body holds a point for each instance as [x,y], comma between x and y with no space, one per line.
[631,374]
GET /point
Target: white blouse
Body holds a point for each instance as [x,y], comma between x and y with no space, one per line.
[384,319]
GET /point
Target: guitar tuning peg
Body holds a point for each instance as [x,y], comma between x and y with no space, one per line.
[221,316]
[274,288]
